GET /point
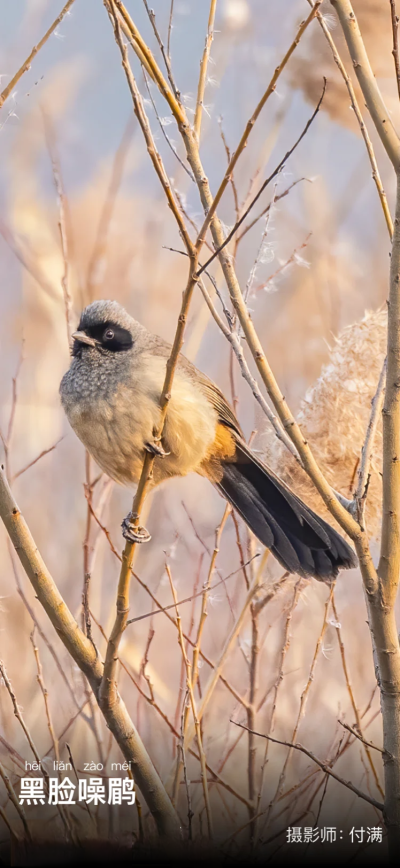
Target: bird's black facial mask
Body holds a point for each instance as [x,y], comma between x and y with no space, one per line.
[108,336]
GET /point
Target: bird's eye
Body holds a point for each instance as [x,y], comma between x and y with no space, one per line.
[108,335]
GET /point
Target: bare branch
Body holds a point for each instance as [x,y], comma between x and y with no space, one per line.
[108,692]
[165,54]
[106,213]
[27,65]
[357,111]
[190,689]
[17,711]
[368,445]
[352,697]
[90,663]
[274,174]
[13,798]
[395,52]
[250,124]
[203,69]
[367,80]
[35,460]
[171,15]
[360,738]
[324,766]
[62,222]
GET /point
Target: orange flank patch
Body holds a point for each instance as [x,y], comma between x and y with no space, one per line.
[222,449]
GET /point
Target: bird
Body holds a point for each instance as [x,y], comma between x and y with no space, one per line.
[111,397]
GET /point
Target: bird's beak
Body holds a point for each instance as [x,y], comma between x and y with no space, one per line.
[83,338]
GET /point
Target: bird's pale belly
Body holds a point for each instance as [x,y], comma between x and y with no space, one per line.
[115,431]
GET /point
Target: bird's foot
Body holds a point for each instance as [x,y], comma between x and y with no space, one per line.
[133,533]
[155,448]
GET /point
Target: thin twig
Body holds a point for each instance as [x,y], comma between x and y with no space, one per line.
[368,83]
[100,243]
[171,14]
[216,673]
[283,652]
[197,644]
[203,70]
[17,711]
[357,111]
[35,460]
[27,65]
[108,692]
[166,57]
[185,774]
[89,662]
[234,341]
[62,222]
[26,260]
[232,180]
[6,439]
[303,700]
[352,697]
[395,51]
[250,124]
[292,258]
[88,489]
[13,798]
[162,128]
[45,696]
[173,730]
[368,445]
[360,738]
[268,180]
[189,686]
[324,766]
[165,609]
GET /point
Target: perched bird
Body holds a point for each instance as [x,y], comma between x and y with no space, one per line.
[111,395]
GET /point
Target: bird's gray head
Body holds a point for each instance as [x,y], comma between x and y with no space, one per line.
[106,327]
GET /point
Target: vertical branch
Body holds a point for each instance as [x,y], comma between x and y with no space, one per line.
[189,685]
[108,691]
[352,698]
[381,606]
[204,599]
[303,700]
[197,644]
[357,111]
[166,55]
[217,669]
[210,205]
[86,623]
[85,656]
[367,81]
[185,775]
[171,15]
[6,439]
[203,70]
[13,798]
[389,564]
[99,247]
[62,222]
[283,652]
[17,711]
[395,51]
[251,714]
[45,696]
[361,491]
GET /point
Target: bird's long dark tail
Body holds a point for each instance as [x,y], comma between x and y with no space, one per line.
[301,541]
